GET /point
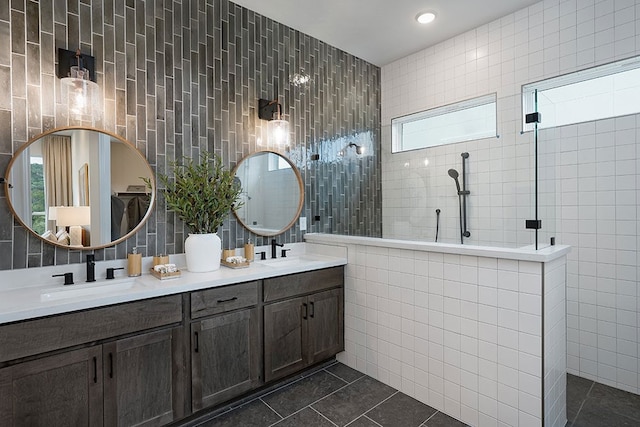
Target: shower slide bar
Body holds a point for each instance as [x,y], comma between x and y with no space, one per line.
[462,196]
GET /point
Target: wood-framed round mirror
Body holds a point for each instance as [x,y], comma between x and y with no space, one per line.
[272,193]
[80,188]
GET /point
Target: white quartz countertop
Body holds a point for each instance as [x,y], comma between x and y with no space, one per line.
[28,301]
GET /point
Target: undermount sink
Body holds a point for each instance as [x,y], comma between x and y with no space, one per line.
[86,289]
[287,262]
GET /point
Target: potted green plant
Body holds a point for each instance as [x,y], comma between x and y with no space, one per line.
[202,195]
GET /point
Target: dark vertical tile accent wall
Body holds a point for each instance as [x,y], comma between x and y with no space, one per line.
[183,77]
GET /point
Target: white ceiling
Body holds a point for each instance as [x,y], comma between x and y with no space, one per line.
[381,31]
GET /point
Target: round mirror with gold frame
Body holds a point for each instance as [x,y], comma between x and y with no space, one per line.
[80,188]
[272,193]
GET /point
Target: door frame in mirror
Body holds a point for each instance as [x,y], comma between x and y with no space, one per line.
[152,192]
[298,176]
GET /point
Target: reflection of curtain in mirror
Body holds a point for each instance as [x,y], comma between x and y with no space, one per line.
[56,159]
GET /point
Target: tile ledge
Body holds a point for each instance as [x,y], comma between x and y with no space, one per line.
[546,254]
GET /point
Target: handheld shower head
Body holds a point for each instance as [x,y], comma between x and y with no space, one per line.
[454,174]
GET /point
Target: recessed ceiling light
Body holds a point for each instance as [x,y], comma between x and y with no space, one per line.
[425,17]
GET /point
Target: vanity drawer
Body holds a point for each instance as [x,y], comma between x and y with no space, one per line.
[222,299]
[276,288]
[46,334]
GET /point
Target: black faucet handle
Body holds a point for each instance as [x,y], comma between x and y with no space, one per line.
[91,267]
[283,252]
[263,255]
[68,278]
[110,271]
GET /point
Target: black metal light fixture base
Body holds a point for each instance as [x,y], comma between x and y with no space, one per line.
[69,58]
[267,109]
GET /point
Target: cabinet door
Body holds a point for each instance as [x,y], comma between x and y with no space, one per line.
[285,337]
[61,390]
[326,324]
[143,379]
[226,357]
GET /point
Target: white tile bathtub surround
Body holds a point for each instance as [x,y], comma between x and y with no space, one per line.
[590,182]
[462,333]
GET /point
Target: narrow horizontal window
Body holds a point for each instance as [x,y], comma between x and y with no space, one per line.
[602,92]
[463,121]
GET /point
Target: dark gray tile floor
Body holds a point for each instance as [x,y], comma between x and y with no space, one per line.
[591,404]
[333,396]
[337,395]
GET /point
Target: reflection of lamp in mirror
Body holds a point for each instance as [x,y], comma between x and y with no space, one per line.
[77,72]
[277,128]
[359,148]
[52,215]
[73,217]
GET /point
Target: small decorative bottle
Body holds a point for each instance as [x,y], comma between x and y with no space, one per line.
[248,251]
[134,263]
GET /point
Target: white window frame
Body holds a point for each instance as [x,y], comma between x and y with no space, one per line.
[578,79]
[398,123]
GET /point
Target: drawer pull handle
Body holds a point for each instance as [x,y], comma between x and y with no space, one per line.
[313,309]
[197,344]
[95,370]
[110,365]
[220,301]
[304,315]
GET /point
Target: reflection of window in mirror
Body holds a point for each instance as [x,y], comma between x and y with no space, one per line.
[37,195]
[278,163]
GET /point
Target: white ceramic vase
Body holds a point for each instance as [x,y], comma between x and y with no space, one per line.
[202,252]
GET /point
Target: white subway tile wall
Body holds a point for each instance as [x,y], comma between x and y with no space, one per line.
[589,188]
[460,333]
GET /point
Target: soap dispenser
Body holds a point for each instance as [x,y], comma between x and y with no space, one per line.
[134,263]
[248,251]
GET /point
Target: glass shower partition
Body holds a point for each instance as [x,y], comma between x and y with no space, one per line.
[546,145]
[549,146]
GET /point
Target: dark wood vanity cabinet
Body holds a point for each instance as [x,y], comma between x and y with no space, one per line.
[303,320]
[143,379]
[133,380]
[60,390]
[226,343]
[139,363]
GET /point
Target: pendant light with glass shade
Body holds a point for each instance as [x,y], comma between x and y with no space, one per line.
[79,90]
[277,128]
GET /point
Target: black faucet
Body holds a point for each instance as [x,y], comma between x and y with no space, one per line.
[91,268]
[273,247]
[110,271]
[68,278]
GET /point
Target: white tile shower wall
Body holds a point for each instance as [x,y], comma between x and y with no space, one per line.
[590,181]
[460,333]
[597,197]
